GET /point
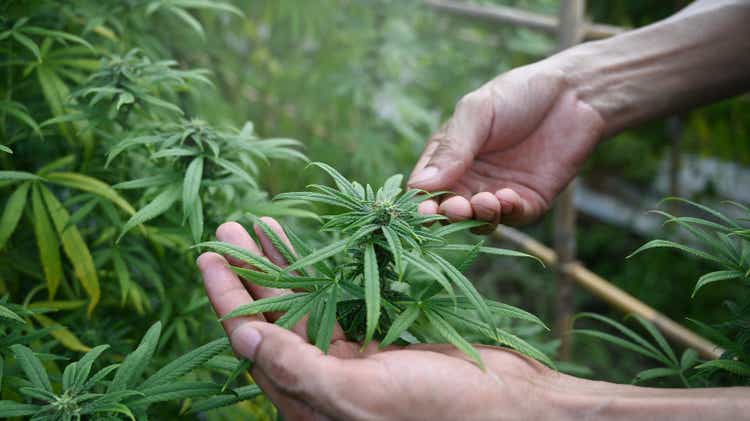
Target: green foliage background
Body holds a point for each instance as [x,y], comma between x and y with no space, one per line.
[361,84]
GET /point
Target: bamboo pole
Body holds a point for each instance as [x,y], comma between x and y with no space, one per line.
[519,17]
[570,33]
[609,293]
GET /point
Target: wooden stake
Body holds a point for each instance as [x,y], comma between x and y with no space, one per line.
[609,293]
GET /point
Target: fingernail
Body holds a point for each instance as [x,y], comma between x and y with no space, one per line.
[423,175]
[246,340]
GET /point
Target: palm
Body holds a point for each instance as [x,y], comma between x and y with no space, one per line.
[509,148]
[357,383]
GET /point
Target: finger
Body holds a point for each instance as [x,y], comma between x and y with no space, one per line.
[298,369]
[514,208]
[468,129]
[225,290]
[269,249]
[428,207]
[486,207]
[235,234]
[290,408]
[456,208]
[427,153]
[275,256]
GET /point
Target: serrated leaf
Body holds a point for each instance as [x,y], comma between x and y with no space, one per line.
[161,203]
[192,184]
[280,281]
[341,182]
[237,395]
[75,248]
[239,253]
[328,321]
[467,288]
[8,314]
[32,367]
[91,185]
[396,249]
[12,212]
[63,335]
[671,244]
[655,373]
[298,310]
[9,409]
[175,391]
[47,242]
[135,363]
[185,364]
[688,359]
[736,367]
[457,226]
[19,176]
[400,325]
[84,366]
[720,275]
[372,291]
[490,250]
[448,333]
[276,303]
[318,255]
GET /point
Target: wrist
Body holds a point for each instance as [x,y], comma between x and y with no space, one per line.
[570,398]
[662,68]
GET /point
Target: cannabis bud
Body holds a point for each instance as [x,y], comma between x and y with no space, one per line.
[384,274]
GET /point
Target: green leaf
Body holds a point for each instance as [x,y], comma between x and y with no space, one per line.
[242,366]
[396,249]
[620,342]
[298,310]
[286,251]
[236,170]
[341,182]
[192,184]
[237,395]
[671,244]
[145,182]
[8,314]
[47,242]
[92,185]
[328,321]
[659,338]
[276,303]
[185,364]
[18,176]
[134,364]
[372,291]
[655,373]
[175,391]
[400,325]
[448,333]
[280,280]
[32,367]
[467,288]
[9,409]
[688,359]
[75,248]
[12,213]
[84,366]
[28,43]
[457,226]
[428,269]
[651,349]
[489,250]
[522,346]
[735,367]
[187,18]
[239,253]
[720,275]
[161,203]
[195,220]
[318,255]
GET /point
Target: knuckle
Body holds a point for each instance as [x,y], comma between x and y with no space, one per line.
[280,368]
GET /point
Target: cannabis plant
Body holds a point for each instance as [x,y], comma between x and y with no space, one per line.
[723,241]
[384,274]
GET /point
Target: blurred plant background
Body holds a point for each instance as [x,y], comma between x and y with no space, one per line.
[131,129]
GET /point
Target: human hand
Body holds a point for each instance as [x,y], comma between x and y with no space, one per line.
[510,147]
[426,381]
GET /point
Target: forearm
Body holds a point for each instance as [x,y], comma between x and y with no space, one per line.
[692,58]
[577,399]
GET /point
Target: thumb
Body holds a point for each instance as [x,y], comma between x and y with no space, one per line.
[293,366]
[451,152]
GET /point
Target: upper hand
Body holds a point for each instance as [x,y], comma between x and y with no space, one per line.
[426,381]
[510,147]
